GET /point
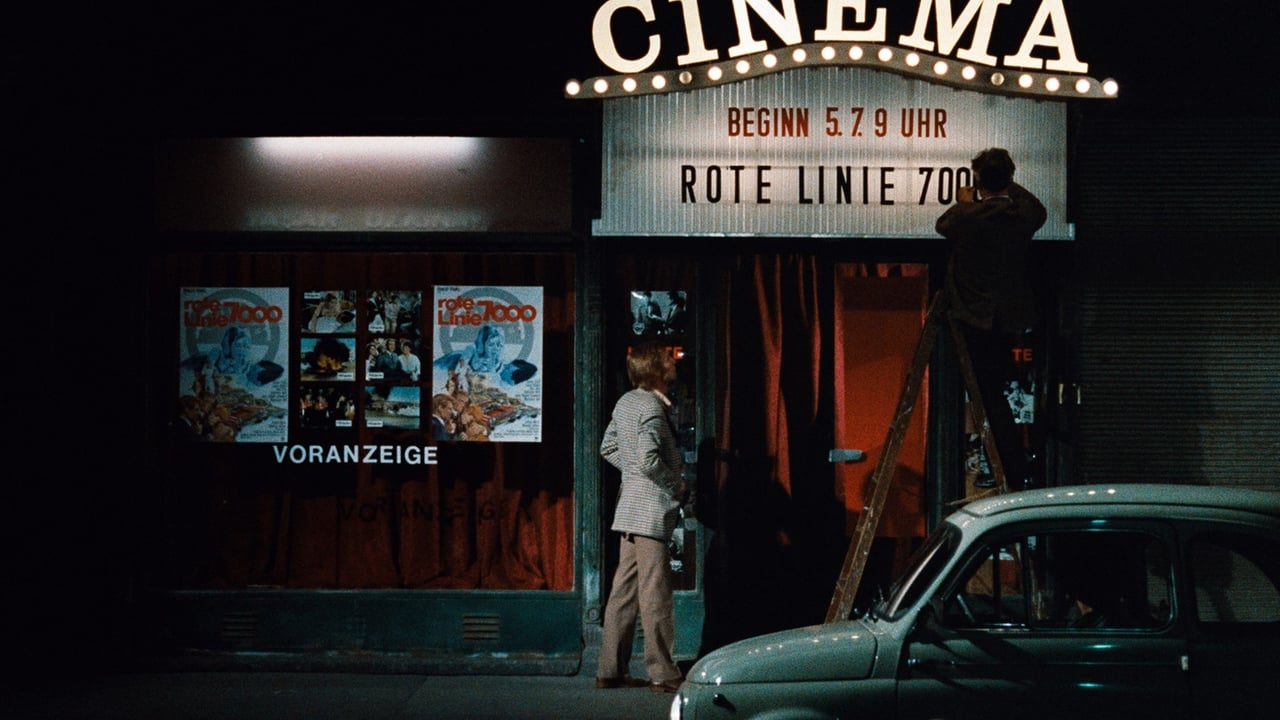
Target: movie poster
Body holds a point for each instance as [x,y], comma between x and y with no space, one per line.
[326,407]
[327,358]
[329,311]
[395,312]
[397,406]
[233,351]
[393,359]
[486,368]
[659,312]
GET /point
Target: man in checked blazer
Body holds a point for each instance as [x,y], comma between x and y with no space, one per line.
[641,442]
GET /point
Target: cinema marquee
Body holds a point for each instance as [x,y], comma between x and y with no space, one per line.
[825,131]
[852,34]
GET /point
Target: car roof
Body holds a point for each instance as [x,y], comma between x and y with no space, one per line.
[1227,497]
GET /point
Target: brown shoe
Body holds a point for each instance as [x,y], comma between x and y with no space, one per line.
[666,686]
[626,681]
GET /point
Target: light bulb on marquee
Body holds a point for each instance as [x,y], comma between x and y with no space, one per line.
[843,41]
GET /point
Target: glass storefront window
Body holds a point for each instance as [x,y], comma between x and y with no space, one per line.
[364,420]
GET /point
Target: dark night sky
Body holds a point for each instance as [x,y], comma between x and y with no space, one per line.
[234,67]
[88,89]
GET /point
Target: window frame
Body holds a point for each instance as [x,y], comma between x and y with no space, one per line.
[1242,536]
[981,551]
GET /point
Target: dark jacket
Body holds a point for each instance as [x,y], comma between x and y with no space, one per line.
[987,284]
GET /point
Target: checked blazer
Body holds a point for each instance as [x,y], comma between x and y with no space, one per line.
[640,441]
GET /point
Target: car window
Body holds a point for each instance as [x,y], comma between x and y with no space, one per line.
[1235,579]
[1068,580]
[925,565]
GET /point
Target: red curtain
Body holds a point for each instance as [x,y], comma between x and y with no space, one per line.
[778,526]
[791,389]
[487,515]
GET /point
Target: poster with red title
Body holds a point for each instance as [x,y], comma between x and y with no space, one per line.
[233,351]
[486,381]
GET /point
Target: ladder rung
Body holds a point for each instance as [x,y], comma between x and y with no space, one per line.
[855,561]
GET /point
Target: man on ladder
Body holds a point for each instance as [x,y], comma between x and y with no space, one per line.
[987,302]
[988,291]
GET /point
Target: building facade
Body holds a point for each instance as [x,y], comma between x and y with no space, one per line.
[776,229]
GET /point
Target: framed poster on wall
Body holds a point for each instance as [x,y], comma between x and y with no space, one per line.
[486,380]
[234,348]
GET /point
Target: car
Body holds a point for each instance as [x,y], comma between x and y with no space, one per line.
[1099,601]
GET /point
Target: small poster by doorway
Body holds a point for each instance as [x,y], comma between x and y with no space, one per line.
[659,312]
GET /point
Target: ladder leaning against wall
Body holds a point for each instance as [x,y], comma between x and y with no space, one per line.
[855,561]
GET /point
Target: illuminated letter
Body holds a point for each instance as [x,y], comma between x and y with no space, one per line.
[602,36]
[949,34]
[698,51]
[835,23]
[1050,11]
[785,24]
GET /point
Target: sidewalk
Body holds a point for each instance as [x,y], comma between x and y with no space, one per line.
[325,696]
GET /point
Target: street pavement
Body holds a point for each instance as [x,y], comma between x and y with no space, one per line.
[323,696]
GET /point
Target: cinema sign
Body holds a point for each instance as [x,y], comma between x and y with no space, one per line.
[852,33]
[844,136]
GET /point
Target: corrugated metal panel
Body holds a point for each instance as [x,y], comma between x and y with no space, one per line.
[1205,176]
[1181,383]
[1179,249]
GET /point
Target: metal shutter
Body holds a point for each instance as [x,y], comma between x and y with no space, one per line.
[1179,317]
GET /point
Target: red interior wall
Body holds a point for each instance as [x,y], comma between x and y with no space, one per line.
[881,311]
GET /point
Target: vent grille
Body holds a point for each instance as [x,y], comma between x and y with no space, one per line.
[239,627]
[481,628]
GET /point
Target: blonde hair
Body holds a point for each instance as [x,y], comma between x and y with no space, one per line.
[644,364]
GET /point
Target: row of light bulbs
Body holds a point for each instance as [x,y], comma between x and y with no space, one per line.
[910,63]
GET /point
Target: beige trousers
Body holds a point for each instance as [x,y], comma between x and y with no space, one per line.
[641,586]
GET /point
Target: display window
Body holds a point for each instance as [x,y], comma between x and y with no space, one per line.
[364,420]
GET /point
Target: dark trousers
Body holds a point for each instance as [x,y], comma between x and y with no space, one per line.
[991,353]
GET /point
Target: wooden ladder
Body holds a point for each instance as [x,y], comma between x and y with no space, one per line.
[855,561]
